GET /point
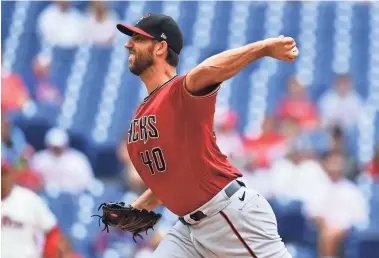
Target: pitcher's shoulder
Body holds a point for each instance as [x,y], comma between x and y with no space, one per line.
[178,80]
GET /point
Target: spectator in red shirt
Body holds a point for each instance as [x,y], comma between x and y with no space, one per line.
[14,94]
[297,105]
[268,146]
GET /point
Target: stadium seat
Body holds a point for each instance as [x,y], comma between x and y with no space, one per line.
[105,162]
[6,12]
[298,251]
[92,86]
[62,61]
[369,248]
[291,222]
[35,130]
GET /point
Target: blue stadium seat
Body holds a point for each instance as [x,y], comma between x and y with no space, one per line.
[153,7]
[369,248]
[374,207]
[60,204]
[257,12]
[120,8]
[105,162]
[360,36]
[291,222]
[188,11]
[240,96]
[92,87]
[299,251]
[7,8]
[47,111]
[35,130]
[220,25]
[79,142]
[29,45]
[323,73]
[61,65]
[126,104]
[377,126]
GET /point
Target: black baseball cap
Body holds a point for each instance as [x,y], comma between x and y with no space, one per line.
[157,26]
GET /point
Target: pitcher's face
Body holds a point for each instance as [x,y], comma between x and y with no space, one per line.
[141,53]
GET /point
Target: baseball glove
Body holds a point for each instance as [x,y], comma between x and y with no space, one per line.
[128,218]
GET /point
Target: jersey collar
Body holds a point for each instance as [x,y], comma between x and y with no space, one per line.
[157,88]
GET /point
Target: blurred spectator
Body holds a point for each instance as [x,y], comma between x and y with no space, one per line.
[62,166]
[133,181]
[337,140]
[100,23]
[321,139]
[342,206]
[269,145]
[338,143]
[290,129]
[16,150]
[14,94]
[341,105]
[25,218]
[13,143]
[45,91]
[298,106]
[299,176]
[227,136]
[61,25]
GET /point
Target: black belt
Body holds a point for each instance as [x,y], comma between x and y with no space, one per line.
[229,191]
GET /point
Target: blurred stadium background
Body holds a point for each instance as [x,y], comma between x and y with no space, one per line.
[286,126]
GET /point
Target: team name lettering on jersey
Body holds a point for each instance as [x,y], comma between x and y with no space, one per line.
[8,222]
[142,129]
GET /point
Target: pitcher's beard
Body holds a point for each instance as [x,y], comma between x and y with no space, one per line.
[141,63]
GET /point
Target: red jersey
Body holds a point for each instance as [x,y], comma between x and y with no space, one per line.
[172,145]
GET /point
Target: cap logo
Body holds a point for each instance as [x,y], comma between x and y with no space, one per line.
[146,15]
[163,36]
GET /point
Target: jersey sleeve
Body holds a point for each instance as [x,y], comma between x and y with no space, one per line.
[45,219]
[197,106]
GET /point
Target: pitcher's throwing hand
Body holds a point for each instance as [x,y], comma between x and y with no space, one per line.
[282,48]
